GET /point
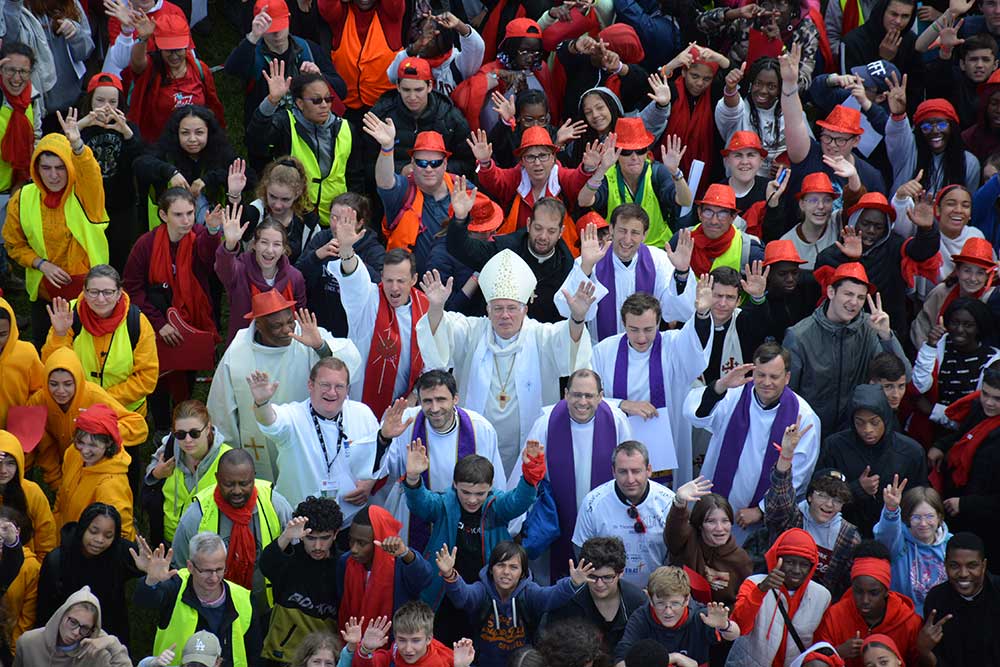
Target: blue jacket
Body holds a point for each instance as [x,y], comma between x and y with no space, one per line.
[984,213]
[443,510]
[407,581]
[912,560]
[660,35]
[506,625]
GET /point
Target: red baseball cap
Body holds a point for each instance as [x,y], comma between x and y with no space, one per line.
[781,250]
[414,68]
[104,79]
[430,140]
[172,32]
[523,28]
[277,10]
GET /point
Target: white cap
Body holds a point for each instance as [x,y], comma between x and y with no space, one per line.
[507,276]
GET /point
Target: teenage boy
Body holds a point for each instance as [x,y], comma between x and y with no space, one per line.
[413,628]
[470,515]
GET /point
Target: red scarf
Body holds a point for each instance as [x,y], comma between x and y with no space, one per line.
[242,554]
[102,326]
[956,292]
[706,249]
[371,596]
[696,125]
[383,356]
[19,139]
[962,453]
[439,60]
[189,298]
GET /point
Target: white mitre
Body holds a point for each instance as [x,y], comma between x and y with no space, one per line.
[507,276]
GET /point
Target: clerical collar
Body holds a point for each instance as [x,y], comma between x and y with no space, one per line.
[761,403]
[541,258]
[450,429]
[723,326]
[622,497]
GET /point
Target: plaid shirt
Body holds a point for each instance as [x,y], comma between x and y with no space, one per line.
[781,512]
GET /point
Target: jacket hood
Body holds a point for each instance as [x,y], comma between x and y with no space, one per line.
[815,647]
[59,145]
[52,625]
[937,546]
[115,465]
[873,24]
[11,446]
[65,359]
[299,118]
[609,98]
[871,397]
[899,612]
[507,607]
[15,334]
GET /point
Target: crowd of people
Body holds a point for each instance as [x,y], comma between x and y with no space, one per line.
[585,333]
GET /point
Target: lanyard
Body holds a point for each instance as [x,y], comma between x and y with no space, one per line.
[341,438]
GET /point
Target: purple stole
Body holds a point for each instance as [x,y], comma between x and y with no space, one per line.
[735,439]
[562,471]
[420,530]
[657,396]
[645,280]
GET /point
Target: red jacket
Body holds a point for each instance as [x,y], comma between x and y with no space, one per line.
[438,655]
[842,621]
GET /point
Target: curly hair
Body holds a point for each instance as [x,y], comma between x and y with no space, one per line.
[288,172]
[323,514]
[572,643]
[218,152]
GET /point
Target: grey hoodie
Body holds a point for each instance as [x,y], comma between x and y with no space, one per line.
[38,647]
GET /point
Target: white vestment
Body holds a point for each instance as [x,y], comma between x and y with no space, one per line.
[231,404]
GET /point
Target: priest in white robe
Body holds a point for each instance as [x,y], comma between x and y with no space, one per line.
[630,267]
[380,319]
[747,418]
[507,365]
[285,346]
[447,432]
[648,373]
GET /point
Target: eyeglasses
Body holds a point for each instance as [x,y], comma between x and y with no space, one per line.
[922,518]
[193,433]
[424,164]
[836,141]
[511,309]
[320,100]
[604,578]
[535,158]
[16,72]
[634,151]
[672,606]
[217,572]
[633,513]
[816,200]
[823,498]
[939,126]
[75,626]
[106,293]
[718,214]
[582,396]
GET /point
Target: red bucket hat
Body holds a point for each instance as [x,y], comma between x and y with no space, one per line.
[976,251]
[632,134]
[486,214]
[277,10]
[268,303]
[816,183]
[782,250]
[535,135]
[875,200]
[172,32]
[844,120]
[744,140]
[719,194]
[429,141]
[591,217]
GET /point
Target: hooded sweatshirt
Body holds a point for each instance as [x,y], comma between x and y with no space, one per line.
[103,482]
[437,655]
[40,646]
[62,248]
[45,538]
[22,595]
[21,372]
[893,454]
[60,423]
[861,46]
[982,138]
[690,636]
[916,567]
[843,621]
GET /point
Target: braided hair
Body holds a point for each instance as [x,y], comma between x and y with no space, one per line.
[763,65]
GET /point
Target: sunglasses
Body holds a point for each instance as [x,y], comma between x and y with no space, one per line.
[633,513]
[320,100]
[939,126]
[433,164]
[634,151]
[194,433]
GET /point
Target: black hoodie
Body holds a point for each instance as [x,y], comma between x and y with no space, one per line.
[860,47]
[895,453]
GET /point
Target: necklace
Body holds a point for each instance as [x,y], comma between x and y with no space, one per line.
[503,397]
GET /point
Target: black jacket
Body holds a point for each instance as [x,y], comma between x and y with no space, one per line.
[780,310]
[971,637]
[550,274]
[894,454]
[581,606]
[860,47]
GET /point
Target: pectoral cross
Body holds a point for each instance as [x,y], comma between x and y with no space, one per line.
[254,446]
[502,399]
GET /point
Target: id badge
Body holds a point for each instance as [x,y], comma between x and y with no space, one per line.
[328,489]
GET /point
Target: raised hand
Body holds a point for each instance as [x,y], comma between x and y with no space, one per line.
[69,124]
[377,634]
[682,59]
[922,213]
[481,147]
[437,292]
[417,462]
[393,545]
[61,316]
[680,256]
[703,294]
[734,77]
[775,579]
[261,387]
[165,658]
[755,284]
[694,490]
[462,200]
[296,529]
[659,89]
[393,425]
[278,84]
[890,44]
[790,439]
[879,319]
[852,647]
[532,449]
[897,91]
[236,181]
[164,467]
[948,35]
[952,506]
[593,154]
[309,330]
[869,483]
[580,301]
[259,27]
[448,20]
[504,106]
[789,64]
[232,230]
[851,245]
[445,560]
[856,86]
[570,131]
[672,153]
[159,569]
[892,494]
[840,165]
[717,616]
[464,652]
[346,231]
[580,574]
[591,249]
[737,377]
[382,131]
[352,633]
[931,633]
[9,533]
[913,188]
[144,24]
[936,333]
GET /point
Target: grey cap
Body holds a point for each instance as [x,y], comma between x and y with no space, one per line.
[202,648]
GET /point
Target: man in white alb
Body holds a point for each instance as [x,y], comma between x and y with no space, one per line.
[747,417]
[630,507]
[326,443]
[283,344]
[631,267]
[507,365]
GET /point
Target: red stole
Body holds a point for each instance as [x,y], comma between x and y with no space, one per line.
[696,125]
[383,356]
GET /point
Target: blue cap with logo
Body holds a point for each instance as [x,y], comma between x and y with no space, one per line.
[874,74]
